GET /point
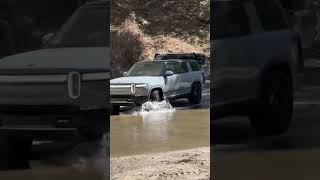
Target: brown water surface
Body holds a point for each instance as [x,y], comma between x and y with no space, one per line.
[161,131]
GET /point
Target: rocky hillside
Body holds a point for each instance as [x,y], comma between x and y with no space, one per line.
[139,29]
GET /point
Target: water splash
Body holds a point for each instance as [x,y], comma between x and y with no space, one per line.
[156,106]
[155,111]
[163,106]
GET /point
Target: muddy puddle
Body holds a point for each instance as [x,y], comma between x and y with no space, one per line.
[158,128]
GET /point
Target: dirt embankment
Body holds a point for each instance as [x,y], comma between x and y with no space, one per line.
[187,164]
[139,29]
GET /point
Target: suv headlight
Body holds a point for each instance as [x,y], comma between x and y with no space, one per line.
[141,85]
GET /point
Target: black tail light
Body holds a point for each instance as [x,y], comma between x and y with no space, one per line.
[74,85]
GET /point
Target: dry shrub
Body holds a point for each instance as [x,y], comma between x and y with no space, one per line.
[168,44]
[126,47]
[145,27]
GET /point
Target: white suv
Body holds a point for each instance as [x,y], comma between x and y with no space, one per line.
[156,81]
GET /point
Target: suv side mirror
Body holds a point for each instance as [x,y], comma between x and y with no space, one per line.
[168,73]
[47,37]
[125,73]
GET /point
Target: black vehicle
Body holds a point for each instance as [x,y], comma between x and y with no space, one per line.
[200,58]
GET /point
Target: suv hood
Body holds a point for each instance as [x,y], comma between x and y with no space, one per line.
[150,80]
[46,61]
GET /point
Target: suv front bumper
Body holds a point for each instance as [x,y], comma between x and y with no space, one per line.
[51,123]
[128,100]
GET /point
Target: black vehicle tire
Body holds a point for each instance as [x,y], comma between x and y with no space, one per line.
[273,111]
[99,125]
[15,153]
[156,95]
[115,110]
[196,94]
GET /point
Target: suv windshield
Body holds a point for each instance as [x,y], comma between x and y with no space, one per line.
[86,28]
[146,69]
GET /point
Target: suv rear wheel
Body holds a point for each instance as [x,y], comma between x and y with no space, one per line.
[196,93]
[273,112]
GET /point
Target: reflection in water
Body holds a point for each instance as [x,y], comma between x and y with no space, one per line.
[93,157]
[159,130]
[155,117]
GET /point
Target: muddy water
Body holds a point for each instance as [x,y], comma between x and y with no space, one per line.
[159,131]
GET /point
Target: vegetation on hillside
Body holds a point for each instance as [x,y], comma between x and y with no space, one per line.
[139,29]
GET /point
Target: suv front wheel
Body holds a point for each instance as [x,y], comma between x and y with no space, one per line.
[196,93]
[97,127]
[273,111]
[156,95]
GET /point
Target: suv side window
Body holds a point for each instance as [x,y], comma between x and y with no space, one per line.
[195,66]
[177,67]
[170,67]
[182,67]
[270,14]
[229,19]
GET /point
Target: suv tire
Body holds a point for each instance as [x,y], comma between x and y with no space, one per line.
[196,93]
[273,111]
[156,96]
[98,126]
